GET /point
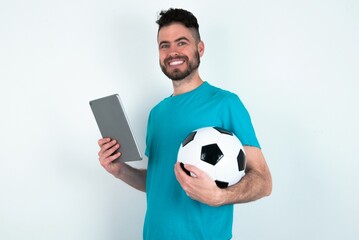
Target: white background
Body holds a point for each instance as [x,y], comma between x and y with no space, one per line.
[293,63]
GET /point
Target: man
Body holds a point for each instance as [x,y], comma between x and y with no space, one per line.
[180,206]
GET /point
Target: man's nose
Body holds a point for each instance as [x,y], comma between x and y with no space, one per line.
[173,50]
[173,54]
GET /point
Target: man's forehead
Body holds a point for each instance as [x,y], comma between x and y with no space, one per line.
[174,31]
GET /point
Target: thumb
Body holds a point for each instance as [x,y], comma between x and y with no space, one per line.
[193,170]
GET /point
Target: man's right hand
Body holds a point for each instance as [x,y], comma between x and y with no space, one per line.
[107,156]
[132,176]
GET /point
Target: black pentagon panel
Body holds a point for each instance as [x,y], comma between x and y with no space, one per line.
[223,131]
[221,184]
[241,160]
[211,154]
[189,138]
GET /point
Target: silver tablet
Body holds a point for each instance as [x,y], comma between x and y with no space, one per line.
[113,123]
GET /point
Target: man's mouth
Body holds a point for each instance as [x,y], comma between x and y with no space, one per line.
[175,62]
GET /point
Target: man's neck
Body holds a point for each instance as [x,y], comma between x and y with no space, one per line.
[187,84]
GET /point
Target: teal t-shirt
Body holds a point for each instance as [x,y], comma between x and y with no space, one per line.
[171,214]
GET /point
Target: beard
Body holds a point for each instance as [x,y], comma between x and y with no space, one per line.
[178,75]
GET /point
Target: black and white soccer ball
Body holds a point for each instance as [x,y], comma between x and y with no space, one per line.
[217,152]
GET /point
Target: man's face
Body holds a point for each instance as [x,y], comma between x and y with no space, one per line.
[178,50]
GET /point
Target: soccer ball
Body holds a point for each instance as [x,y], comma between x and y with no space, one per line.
[217,152]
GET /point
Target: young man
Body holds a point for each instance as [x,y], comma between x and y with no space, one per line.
[180,206]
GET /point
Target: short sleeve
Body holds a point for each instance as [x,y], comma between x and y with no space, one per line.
[240,122]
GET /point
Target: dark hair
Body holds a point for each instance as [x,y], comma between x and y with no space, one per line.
[177,15]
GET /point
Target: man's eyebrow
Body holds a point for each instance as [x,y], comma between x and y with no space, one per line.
[181,38]
[162,42]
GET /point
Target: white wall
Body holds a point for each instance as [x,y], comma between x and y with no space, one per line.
[293,63]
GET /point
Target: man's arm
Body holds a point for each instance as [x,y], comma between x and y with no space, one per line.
[257,182]
[132,176]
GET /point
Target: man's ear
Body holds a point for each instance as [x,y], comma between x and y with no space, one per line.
[201,48]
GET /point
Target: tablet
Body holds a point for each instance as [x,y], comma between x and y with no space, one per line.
[113,123]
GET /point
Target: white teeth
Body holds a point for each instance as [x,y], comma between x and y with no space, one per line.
[176,63]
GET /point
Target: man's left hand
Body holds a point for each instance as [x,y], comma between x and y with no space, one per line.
[200,187]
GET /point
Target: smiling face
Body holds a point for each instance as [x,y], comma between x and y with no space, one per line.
[179,51]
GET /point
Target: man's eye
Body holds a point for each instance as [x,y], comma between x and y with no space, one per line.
[164,46]
[182,43]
